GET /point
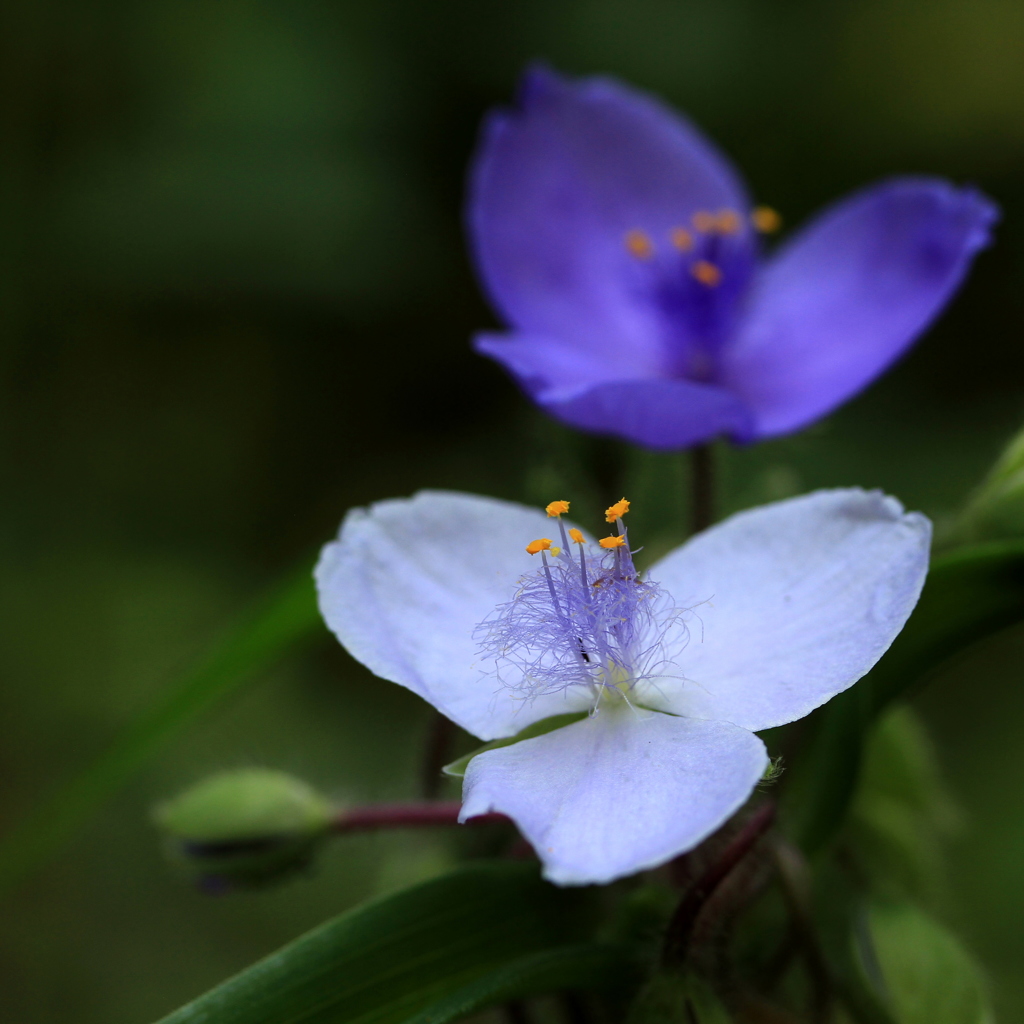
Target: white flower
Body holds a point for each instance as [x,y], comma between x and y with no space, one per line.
[751,624]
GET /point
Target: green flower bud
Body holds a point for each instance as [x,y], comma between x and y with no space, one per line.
[244,829]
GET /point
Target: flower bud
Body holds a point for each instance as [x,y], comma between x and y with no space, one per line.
[244,829]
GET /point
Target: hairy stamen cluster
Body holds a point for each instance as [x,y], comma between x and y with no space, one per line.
[581,620]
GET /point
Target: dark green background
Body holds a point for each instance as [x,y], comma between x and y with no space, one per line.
[234,301]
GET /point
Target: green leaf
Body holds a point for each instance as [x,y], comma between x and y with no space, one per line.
[921,969]
[969,596]
[394,957]
[583,967]
[458,767]
[671,997]
[996,509]
[902,812]
[284,617]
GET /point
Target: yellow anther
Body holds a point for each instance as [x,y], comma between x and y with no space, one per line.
[704,221]
[639,244]
[682,239]
[616,511]
[765,219]
[577,536]
[728,222]
[556,551]
[612,542]
[557,508]
[707,273]
[536,546]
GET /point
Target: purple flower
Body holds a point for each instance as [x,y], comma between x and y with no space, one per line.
[642,694]
[621,249]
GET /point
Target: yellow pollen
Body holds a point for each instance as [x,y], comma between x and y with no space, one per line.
[577,536]
[557,508]
[556,551]
[704,221]
[728,222]
[707,273]
[639,244]
[536,546]
[682,239]
[765,219]
[612,542]
[616,511]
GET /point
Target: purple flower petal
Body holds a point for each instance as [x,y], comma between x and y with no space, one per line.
[619,792]
[557,185]
[793,603]
[553,370]
[662,414]
[406,583]
[849,294]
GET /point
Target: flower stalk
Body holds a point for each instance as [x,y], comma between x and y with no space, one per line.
[680,928]
[371,817]
[702,487]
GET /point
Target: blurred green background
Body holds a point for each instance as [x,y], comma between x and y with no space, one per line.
[235,301]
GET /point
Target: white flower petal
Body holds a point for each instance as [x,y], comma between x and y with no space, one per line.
[793,603]
[618,792]
[407,581]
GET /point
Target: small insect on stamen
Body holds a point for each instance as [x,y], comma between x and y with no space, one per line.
[639,244]
[612,542]
[536,546]
[557,508]
[577,536]
[728,222]
[616,511]
[765,219]
[707,273]
[704,221]
[681,239]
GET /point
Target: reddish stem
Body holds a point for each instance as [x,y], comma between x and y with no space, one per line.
[680,928]
[407,815]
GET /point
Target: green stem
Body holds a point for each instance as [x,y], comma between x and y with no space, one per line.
[702,487]
[440,737]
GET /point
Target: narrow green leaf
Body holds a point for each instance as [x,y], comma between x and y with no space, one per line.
[672,996]
[970,595]
[285,616]
[925,975]
[391,959]
[457,768]
[582,967]
[996,509]
[901,812]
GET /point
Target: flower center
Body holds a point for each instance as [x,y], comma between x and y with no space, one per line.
[696,273]
[583,619]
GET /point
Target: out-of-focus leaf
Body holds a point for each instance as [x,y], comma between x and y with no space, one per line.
[970,595]
[670,997]
[390,959]
[284,617]
[581,967]
[921,969]
[996,509]
[901,812]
